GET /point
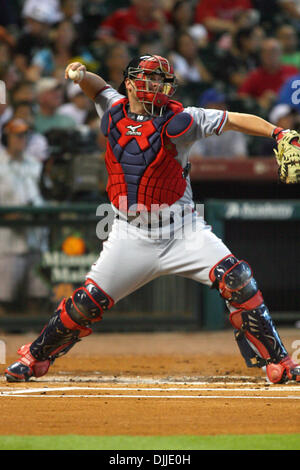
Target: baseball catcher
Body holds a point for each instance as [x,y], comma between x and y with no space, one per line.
[149,137]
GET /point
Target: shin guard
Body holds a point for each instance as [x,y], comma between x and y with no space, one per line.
[71,322]
[58,336]
[65,328]
[257,337]
[255,333]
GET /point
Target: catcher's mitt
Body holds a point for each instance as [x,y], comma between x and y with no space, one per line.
[288,157]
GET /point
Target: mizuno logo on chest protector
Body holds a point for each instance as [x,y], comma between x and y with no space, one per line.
[133,130]
[140,158]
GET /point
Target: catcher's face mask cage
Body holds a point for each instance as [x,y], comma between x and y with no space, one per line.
[154,81]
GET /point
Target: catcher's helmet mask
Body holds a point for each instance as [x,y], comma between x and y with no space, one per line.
[154,81]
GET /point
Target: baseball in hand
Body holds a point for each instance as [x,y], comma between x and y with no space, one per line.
[76,75]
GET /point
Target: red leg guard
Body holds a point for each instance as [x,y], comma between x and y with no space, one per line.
[57,338]
[255,333]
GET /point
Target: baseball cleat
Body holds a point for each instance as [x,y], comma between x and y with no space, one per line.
[27,366]
[284,371]
[18,372]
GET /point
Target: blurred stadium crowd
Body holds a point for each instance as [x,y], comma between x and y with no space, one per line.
[237,54]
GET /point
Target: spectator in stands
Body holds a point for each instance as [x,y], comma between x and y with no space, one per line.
[142,18]
[71,10]
[9,72]
[263,83]
[9,76]
[115,61]
[67,47]
[94,12]
[267,10]
[50,97]
[182,20]
[13,148]
[64,48]
[39,8]
[150,47]
[37,144]
[6,113]
[230,144]
[186,61]
[78,104]
[23,91]
[281,115]
[219,16]
[93,122]
[35,36]
[288,38]
[7,43]
[66,42]
[19,247]
[243,56]
[292,10]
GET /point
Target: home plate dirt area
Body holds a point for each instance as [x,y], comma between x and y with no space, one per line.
[150,384]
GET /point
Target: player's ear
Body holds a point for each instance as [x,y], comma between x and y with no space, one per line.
[129,86]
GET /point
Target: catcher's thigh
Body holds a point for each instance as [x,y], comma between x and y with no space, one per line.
[193,254]
[128,261]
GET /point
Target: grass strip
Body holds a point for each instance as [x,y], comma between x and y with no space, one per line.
[219,442]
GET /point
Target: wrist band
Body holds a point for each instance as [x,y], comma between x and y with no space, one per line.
[278,132]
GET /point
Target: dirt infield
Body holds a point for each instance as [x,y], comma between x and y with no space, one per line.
[150,384]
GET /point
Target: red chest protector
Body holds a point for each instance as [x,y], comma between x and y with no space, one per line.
[140,159]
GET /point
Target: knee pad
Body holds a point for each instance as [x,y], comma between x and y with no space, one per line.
[87,304]
[234,280]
